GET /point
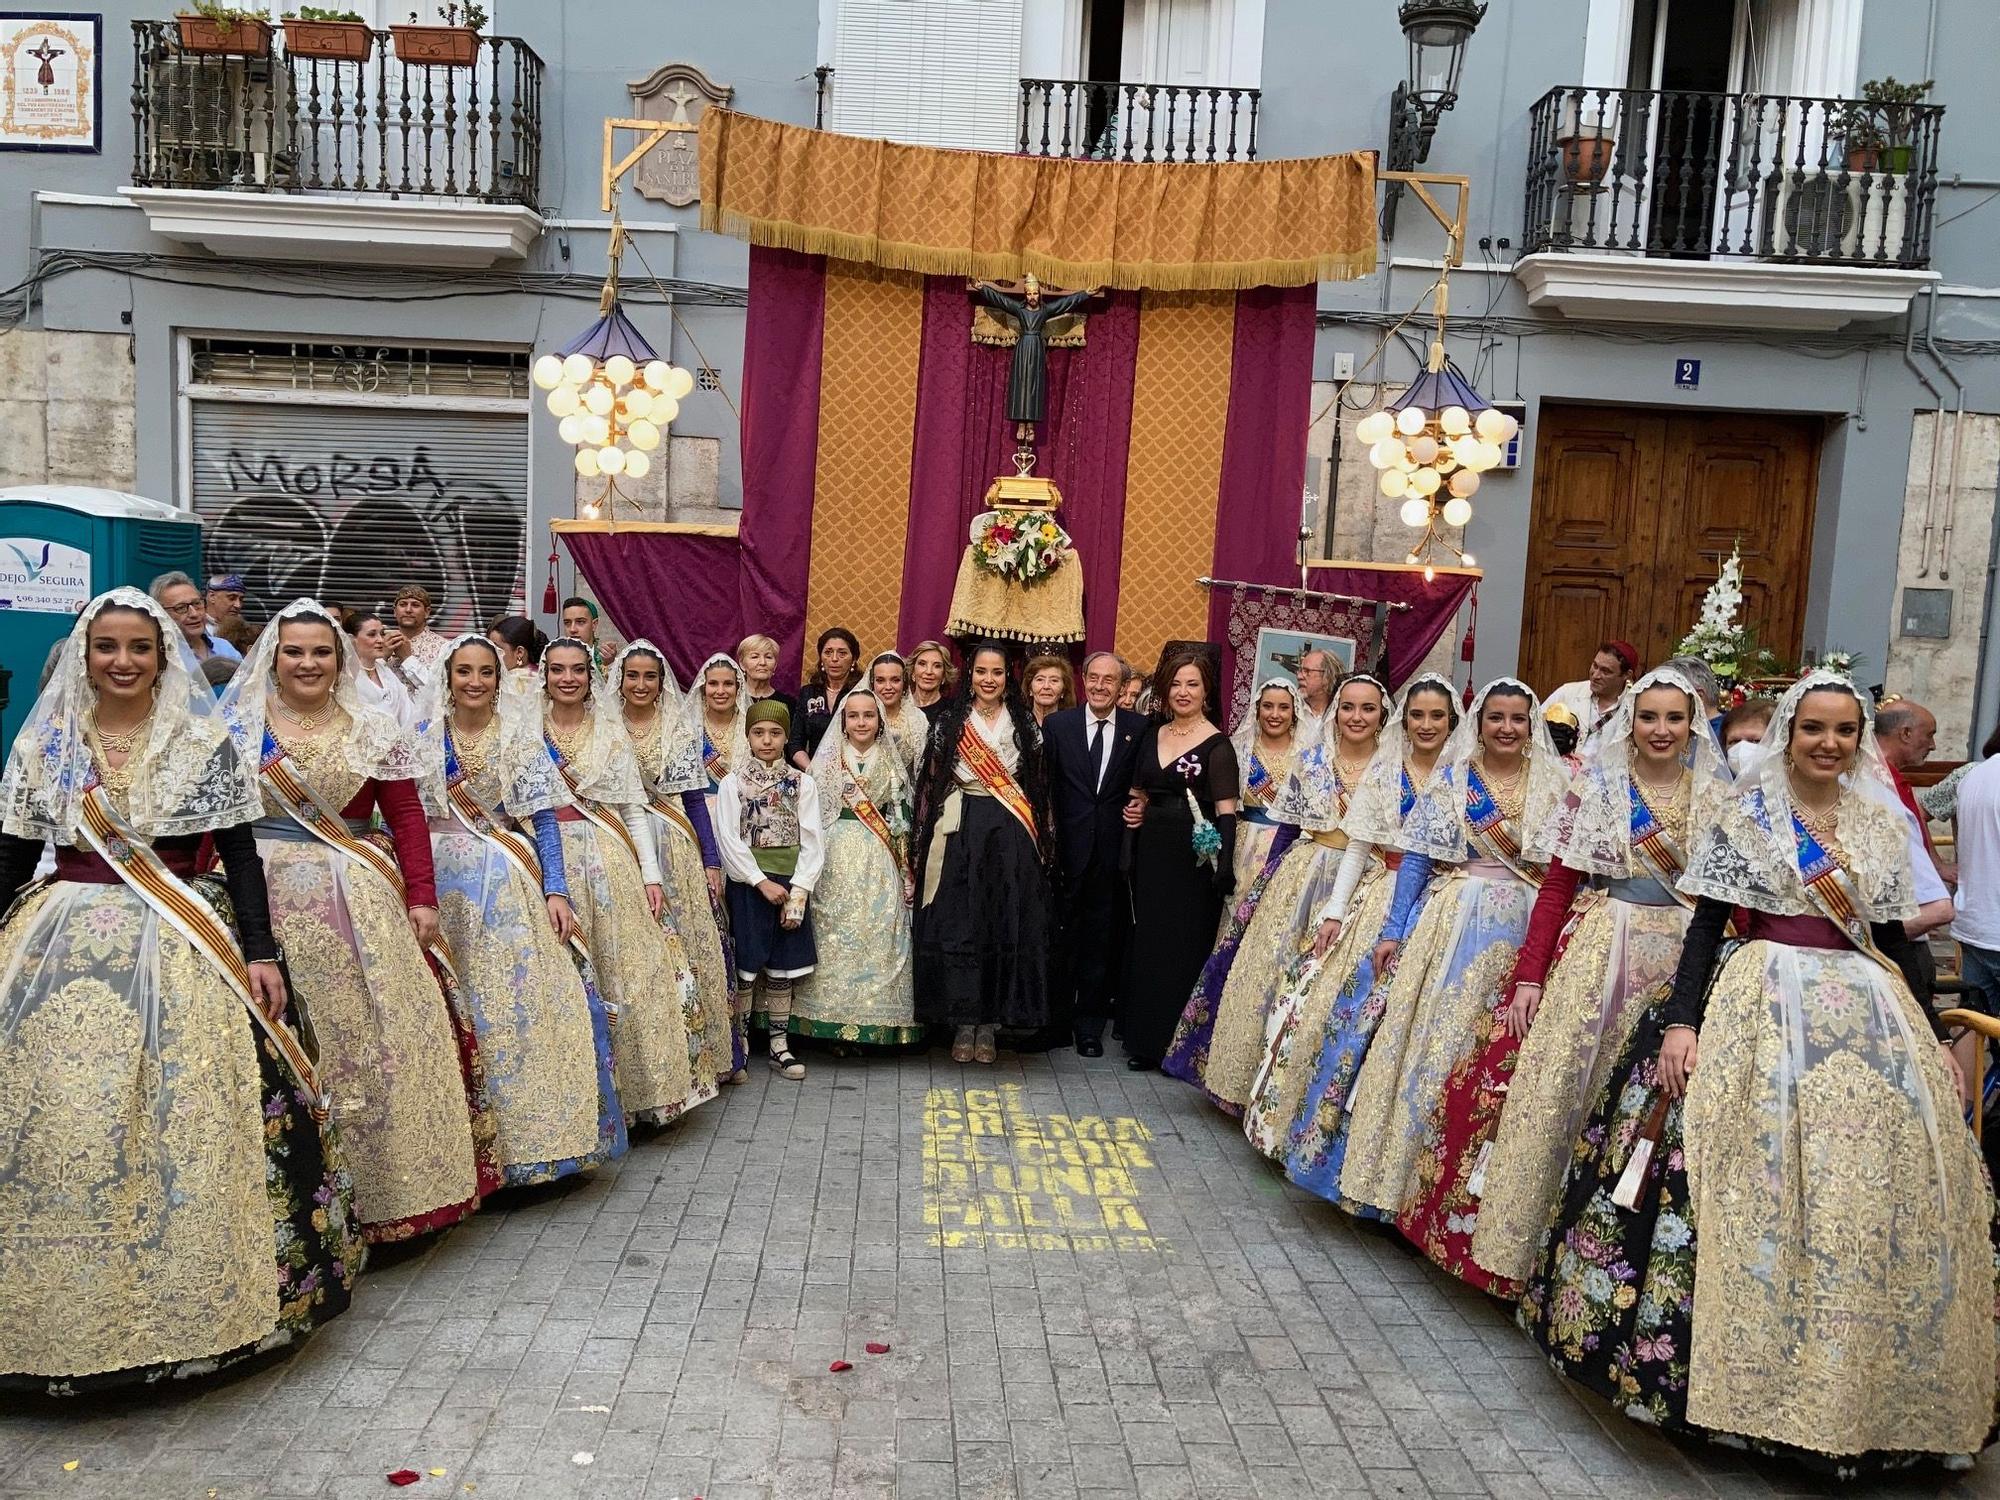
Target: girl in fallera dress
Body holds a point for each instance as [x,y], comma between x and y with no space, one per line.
[984,923]
[1597,954]
[716,708]
[1284,926]
[1500,778]
[906,725]
[357,921]
[768,824]
[1360,928]
[1799,1257]
[1221,1034]
[173,1203]
[932,676]
[676,784]
[1183,817]
[503,902]
[615,884]
[861,990]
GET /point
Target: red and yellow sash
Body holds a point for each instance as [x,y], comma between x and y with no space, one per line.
[284,779]
[175,903]
[1655,847]
[1831,889]
[985,764]
[594,811]
[1492,831]
[870,817]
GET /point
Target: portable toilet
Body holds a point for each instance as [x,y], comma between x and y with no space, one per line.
[62,545]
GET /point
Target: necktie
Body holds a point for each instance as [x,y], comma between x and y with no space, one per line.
[1097,752]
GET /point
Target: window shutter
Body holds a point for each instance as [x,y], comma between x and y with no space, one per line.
[929,72]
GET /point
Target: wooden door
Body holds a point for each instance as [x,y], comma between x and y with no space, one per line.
[1634,512]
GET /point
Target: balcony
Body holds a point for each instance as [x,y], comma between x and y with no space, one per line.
[1169,122]
[1738,209]
[365,158]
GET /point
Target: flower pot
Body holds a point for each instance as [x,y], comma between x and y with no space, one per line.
[1863,158]
[203,37]
[447,46]
[343,41]
[1586,157]
[1898,159]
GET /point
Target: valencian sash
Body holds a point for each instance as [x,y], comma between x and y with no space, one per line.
[285,780]
[174,902]
[1654,847]
[1831,890]
[515,847]
[590,809]
[984,763]
[1259,780]
[870,817]
[1492,834]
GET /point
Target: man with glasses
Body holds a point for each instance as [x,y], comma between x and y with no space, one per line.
[1319,678]
[177,594]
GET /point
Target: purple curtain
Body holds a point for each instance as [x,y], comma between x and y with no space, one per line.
[679,592]
[782,336]
[1263,448]
[1412,631]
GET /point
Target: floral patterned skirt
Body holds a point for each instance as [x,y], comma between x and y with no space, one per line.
[693,915]
[1297,1028]
[1187,1053]
[861,990]
[157,1153]
[389,1057]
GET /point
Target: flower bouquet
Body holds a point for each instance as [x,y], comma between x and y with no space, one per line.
[1023,546]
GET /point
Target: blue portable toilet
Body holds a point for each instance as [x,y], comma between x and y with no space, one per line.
[61,545]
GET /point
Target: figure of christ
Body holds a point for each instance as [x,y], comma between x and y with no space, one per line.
[1032,313]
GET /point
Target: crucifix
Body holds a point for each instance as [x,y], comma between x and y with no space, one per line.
[1027,378]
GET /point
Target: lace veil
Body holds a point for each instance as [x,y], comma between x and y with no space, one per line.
[1749,855]
[1591,828]
[886,782]
[737,752]
[1375,810]
[189,778]
[603,766]
[528,780]
[372,743]
[1435,827]
[1309,798]
[675,747]
[910,725]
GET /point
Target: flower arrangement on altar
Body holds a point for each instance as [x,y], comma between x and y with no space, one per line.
[1022,547]
[1718,638]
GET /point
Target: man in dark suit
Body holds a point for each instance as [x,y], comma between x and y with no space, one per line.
[1091,752]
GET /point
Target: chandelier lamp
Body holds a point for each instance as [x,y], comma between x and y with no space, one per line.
[610,392]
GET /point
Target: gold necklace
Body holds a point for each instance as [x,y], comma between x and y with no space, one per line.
[1350,773]
[116,780]
[1507,791]
[121,744]
[475,754]
[569,741]
[311,723]
[1668,801]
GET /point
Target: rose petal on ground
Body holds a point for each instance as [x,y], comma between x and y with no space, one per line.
[70,1467]
[401,1477]
[583,1458]
[839,1365]
[877,1348]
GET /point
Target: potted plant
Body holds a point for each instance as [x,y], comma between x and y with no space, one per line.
[1877,129]
[1585,139]
[212,29]
[454,44]
[341,35]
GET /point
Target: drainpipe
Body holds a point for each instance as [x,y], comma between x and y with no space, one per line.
[1957,433]
[1937,427]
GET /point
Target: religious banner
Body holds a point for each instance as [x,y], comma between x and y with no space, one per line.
[49,98]
[1269,630]
[1433,603]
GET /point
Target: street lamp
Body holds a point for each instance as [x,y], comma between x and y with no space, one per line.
[1437,31]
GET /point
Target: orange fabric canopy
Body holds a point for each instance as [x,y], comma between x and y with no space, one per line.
[1220,226]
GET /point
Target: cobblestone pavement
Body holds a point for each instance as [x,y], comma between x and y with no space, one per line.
[1089,1287]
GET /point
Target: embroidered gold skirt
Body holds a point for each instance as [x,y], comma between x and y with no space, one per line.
[644,975]
[692,913]
[1297,1029]
[1844,1286]
[389,1058]
[861,990]
[1616,960]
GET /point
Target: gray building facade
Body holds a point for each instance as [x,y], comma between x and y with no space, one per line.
[1730,305]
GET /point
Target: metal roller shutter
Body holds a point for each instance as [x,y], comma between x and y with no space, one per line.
[348,504]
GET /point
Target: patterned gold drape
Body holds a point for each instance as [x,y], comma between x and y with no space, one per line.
[1211,226]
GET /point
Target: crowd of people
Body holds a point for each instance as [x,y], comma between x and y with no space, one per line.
[351,924]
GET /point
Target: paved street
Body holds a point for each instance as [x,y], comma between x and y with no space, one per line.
[1088,1285]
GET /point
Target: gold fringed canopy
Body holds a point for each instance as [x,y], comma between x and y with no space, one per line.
[1221,226]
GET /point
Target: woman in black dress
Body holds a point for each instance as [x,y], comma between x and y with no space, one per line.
[838,672]
[984,926]
[1181,870]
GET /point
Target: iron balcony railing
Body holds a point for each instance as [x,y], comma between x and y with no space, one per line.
[1138,121]
[1671,173]
[284,123]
